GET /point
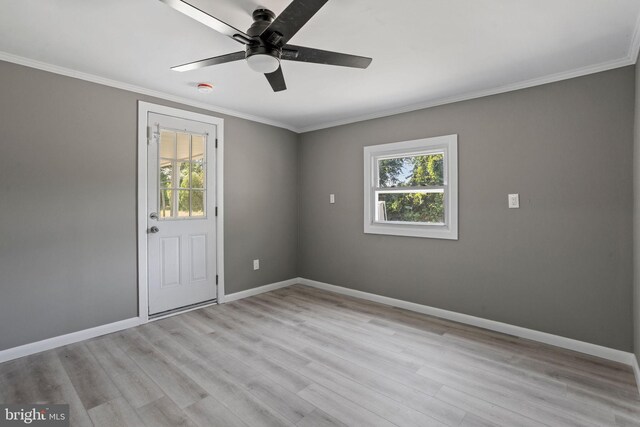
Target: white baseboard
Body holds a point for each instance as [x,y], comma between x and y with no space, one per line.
[260,290]
[48,344]
[543,337]
[62,340]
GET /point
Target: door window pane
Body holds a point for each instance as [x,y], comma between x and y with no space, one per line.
[183,203]
[197,146]
[166,203]
[197,174]
[167,144]
[184,140]
[182,177]
[166,173]
[197,203]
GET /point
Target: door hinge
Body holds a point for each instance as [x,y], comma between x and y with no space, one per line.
[216,211]
[216,279]
[216,142]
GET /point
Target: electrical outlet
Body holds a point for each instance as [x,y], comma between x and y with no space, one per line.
[256,264]
[332,198]
[514,201]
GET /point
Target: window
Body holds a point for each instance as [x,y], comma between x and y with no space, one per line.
[411,188]
[182,175]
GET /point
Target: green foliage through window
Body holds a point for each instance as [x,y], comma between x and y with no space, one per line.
[412,171]
[197,181]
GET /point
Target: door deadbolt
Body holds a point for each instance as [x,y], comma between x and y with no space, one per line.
[153,215]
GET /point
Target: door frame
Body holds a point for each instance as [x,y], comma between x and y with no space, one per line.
[144,108]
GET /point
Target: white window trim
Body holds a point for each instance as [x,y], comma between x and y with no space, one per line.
[448,144]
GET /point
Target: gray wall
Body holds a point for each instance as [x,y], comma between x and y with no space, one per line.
[636,220]
[68,204]
[561,264]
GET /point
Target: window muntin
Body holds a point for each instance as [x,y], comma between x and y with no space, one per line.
[411,188]
[182,180]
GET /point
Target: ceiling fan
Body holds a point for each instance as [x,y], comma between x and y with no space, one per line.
[266,41]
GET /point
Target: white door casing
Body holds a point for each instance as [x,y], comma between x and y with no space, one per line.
[179,235]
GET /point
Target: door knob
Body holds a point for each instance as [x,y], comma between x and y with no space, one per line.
[154,230]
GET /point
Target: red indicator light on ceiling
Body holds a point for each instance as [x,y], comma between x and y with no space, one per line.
[205,87]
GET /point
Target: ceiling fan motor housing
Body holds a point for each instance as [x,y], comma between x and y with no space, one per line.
[263,49]
[262,15]
[262,18]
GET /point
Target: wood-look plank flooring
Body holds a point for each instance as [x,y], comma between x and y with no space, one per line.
[304,357]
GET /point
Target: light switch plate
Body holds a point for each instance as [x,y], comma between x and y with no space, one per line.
[256,264]
[514,201]
[332,198]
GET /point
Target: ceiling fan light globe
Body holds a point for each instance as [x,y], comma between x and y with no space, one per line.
[264,64]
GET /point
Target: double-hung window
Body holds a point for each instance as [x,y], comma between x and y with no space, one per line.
[411,188]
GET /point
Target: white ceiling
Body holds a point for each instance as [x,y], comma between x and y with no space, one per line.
[425,52]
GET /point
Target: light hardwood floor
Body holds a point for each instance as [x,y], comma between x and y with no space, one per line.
[305,357]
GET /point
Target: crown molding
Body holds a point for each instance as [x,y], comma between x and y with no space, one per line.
[591,69]
[630,59]
[15,59]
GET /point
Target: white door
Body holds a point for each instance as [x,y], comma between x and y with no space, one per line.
[181,207]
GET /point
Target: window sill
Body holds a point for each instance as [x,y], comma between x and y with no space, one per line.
[423,231]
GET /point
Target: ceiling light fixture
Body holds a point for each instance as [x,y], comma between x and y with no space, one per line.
[205,87]
[262,63]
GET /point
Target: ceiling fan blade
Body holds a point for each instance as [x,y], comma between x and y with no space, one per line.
[306,54]
[236,56]
[208,20]
[290,21]
[276,80]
